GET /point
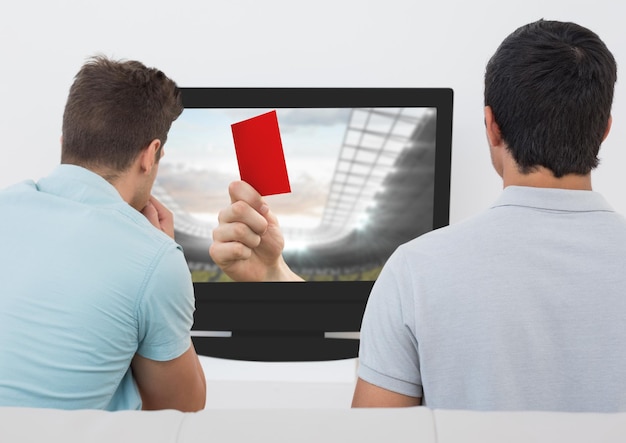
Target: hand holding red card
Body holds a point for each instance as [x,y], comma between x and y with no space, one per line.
[260,154]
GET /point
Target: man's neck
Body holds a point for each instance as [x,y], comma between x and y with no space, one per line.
[125,183]
[543,178]
[548,180]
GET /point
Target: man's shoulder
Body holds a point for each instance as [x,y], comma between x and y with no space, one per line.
[19,187]
[453,233]
[130,229]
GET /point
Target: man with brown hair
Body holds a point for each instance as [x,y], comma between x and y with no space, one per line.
[97,302]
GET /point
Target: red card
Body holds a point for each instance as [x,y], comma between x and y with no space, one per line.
[260,154]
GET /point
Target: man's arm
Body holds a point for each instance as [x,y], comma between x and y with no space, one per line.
[367,395]
[175,384]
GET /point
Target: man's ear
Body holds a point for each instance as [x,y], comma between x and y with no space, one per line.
[608,128]
[148,157]
[494,136]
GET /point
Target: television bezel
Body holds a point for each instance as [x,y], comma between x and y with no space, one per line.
[295,321]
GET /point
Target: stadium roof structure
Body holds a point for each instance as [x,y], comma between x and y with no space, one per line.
[381,193]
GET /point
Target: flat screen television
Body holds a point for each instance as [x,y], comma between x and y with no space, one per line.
[369,169]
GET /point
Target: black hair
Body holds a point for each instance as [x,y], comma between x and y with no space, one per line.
[550,85]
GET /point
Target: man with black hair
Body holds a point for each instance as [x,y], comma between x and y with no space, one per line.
[97,302]
[521,307]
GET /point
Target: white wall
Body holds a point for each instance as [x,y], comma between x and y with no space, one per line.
[285,43]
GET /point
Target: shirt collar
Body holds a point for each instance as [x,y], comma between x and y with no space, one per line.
[79,184]
[553,199]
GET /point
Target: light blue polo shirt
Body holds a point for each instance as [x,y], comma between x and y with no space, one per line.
[86,282]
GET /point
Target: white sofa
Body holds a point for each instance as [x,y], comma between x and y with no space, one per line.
[417,424]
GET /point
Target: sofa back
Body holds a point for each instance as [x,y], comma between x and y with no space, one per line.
[417,424]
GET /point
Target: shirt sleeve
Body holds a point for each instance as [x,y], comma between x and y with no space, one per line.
[165,311]
[388,350]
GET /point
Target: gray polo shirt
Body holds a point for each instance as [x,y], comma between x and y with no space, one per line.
[520,307]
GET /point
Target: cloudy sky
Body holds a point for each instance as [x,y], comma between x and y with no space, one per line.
[200,160]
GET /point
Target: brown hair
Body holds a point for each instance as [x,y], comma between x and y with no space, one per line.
[114,110]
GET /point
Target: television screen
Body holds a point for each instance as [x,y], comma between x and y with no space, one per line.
[369,169]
